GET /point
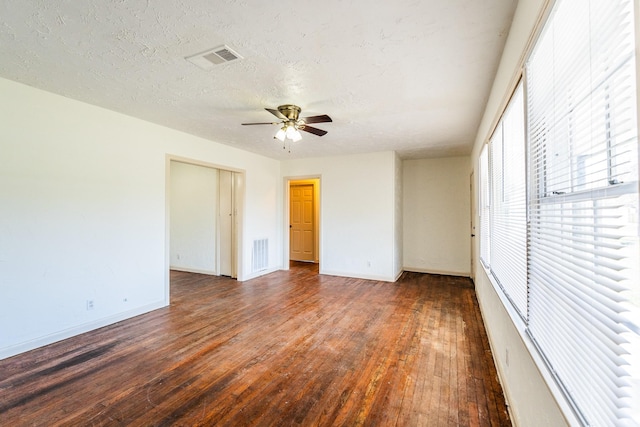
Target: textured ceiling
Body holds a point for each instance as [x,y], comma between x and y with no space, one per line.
[411,76]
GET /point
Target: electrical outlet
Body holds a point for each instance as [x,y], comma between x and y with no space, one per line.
[89,304]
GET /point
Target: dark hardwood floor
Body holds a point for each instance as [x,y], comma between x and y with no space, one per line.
[289,348]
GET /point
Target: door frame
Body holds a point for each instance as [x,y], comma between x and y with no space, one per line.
[473,221]
[236,183]
[239,197]
[293,187]
[316,180]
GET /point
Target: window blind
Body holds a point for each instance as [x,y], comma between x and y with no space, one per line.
[583,210]
[484,203]
[509,204]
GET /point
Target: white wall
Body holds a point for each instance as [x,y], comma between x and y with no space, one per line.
[357,213]
[84,214]
[529,396]
[437,216]
[194,218]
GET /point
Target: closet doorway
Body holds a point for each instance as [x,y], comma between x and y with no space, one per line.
[204,226]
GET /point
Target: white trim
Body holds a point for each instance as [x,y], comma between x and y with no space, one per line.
[77,330]
[317,190]
[440,272]
[194,270]
[167,229]
[360,276]
[258,274]
[191,161]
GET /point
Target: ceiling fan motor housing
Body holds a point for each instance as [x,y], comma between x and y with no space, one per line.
[290,111]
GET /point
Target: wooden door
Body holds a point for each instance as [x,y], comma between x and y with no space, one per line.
[302,224]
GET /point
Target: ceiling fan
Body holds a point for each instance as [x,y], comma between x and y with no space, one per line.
[292,124]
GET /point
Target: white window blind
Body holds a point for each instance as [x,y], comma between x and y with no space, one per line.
[509,204]
[484,204]
[584,285]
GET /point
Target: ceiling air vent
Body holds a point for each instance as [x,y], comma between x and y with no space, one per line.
[212,57]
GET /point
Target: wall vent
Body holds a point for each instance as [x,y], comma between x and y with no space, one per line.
[212,57]
[260,259]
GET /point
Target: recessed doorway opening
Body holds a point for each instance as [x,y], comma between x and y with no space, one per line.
[204,218]
[302,220]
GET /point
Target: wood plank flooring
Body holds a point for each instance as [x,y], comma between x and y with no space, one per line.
[292,348]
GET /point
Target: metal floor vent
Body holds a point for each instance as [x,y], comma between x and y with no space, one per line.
[212,57]
[260,259]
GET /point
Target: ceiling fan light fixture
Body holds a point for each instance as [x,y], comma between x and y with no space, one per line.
[291,131]
[296,136]
[280,135]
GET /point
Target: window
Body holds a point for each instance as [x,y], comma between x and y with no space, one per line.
[559,225]
[583,236]
[508,204]
[484,202]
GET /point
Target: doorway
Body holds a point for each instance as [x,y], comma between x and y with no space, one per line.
[203,218]
[303,222]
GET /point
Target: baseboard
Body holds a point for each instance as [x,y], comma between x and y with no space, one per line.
[442,272]
[194,270]
[16,349]
[359,276]
[257,274]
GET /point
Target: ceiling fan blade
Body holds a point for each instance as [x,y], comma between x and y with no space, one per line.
[313,130]
[276,113]
[263,123]
[317,119]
